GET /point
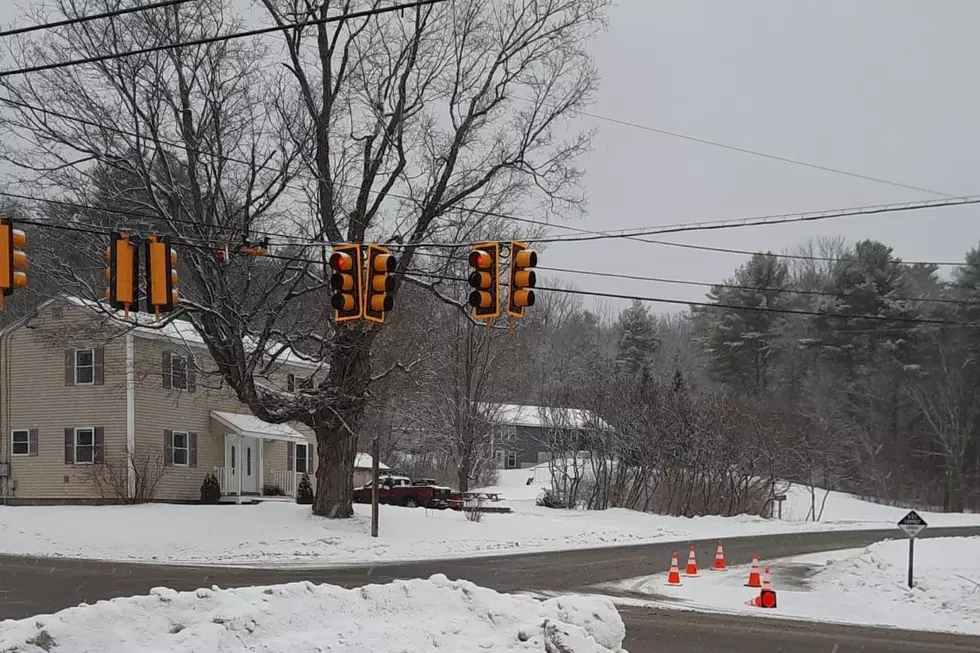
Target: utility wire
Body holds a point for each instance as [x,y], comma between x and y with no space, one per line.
[301,241]
[366,13]
[718,305]
[791,291]
[84,19]
[771,220]
[659,300]
[757,153]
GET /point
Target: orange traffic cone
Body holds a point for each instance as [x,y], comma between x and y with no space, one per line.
[754,580]
[767,595]
[719,558]
[692,564]
[674,575]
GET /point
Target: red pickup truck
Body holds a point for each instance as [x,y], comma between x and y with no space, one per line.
[402,491]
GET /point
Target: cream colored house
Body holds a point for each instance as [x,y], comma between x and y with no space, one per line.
[97,411]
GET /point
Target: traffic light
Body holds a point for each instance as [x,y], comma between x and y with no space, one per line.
[485,297]
[377,301]
[122,272]
[522,279]
[161,275]
[345,262]
[12,258]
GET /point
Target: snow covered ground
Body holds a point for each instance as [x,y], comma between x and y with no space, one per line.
[416,616]
[856,586]
[271,534]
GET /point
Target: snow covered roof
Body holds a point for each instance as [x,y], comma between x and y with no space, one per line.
[543,416]
[365,461]
[182,332]
[251,426]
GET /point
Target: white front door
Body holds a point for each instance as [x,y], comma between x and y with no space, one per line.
[242,457]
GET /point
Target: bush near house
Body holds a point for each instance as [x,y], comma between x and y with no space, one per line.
[210,489]
[304,493]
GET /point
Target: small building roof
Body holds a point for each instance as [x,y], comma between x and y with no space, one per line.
[365,461]
[251,426]
[543,416]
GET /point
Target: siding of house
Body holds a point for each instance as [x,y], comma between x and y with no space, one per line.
[37,397]
[159,409]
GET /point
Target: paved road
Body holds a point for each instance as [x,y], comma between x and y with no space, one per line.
[31,586]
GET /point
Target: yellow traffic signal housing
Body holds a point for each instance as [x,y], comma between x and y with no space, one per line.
[484,279]
[161,275]
[345,281]
[522,279]
[13,259]
[380,283]
[122,273]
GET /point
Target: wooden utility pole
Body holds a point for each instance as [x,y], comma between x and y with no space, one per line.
[375,468]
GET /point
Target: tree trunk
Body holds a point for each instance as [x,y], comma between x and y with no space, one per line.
[336,426]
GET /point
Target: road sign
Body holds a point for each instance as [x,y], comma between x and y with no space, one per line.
[912,524]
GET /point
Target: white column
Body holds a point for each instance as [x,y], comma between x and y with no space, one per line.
[239,466]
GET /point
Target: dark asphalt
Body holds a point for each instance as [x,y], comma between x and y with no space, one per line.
[30,586]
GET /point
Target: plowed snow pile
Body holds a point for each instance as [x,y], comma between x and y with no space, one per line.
[416,616]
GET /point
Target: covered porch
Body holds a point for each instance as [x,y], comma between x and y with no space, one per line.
[261,460]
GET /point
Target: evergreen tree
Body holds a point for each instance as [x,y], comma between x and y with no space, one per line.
[638,340]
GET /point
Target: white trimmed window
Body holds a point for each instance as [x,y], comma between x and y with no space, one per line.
[84,446]
[20,442]
[290,382]
[84,367]
[181,448]
[511,459]
[302,458]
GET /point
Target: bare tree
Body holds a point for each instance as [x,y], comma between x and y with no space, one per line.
[393,129]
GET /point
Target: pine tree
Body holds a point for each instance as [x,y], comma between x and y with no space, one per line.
[638,340]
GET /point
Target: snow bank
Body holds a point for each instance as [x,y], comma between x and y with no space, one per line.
[857,586]
[416,616]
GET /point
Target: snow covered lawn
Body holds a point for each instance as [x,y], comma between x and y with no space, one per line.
[857,586]
[416,616]
[272,534]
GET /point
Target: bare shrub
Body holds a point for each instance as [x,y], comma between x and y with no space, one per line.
[111,478]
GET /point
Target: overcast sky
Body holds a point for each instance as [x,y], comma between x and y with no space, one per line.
[885,88]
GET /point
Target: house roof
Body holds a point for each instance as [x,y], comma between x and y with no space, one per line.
[365,461]
[251,426]
[543,416]
[182,332]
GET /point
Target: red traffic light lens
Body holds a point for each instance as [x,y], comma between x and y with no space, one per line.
[341,261]
[480,259]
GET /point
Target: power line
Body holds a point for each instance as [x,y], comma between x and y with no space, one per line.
[757,153]
[659,300]
[791,291]
[812,216]
[798,257]
[718,305]
[365,13]
[84,19]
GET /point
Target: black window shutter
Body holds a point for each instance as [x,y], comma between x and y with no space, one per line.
[69,446]
[290,454]
[192,449]
[191,375]
[98,357]
[98,454]
[32,442]
[166,370]
[168,448]
[69,367]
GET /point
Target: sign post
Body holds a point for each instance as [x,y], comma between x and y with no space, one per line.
[912,524]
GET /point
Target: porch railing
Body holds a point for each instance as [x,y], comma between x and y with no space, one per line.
[227,479]
[287,481]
